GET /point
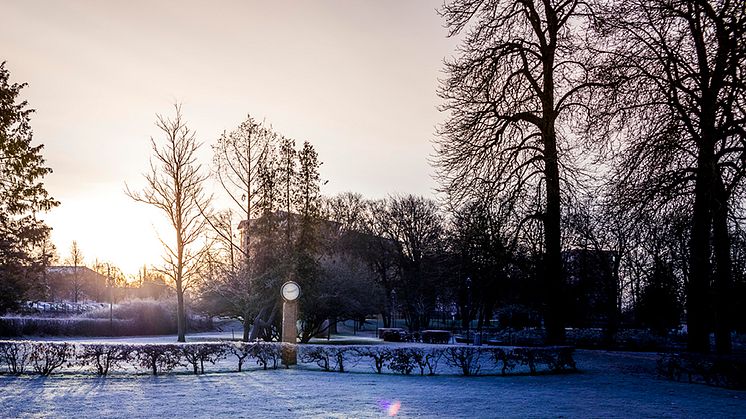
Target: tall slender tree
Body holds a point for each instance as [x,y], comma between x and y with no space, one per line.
[174,185]
[237,160]
[76,261]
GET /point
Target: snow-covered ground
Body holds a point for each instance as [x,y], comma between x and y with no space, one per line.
[610,384]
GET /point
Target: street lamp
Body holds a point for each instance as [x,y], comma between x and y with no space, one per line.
[468,307]
[393,308]
[111,298]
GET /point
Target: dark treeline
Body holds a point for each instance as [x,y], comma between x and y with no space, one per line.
[610,126]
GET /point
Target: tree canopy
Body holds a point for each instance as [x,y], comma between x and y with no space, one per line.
[23,251]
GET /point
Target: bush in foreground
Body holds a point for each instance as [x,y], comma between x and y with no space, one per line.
[159,358]
[717,370]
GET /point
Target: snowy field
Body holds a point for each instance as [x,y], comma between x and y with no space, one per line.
[610,384]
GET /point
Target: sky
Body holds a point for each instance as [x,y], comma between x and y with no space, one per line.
[357,79]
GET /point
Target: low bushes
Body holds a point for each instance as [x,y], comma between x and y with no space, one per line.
[467,360]
[267,354]
[102,357]
[49,356]
[16,356]
[380,355]
[717,370]
[329,358]
[44,358]
[158,358]
[196,354]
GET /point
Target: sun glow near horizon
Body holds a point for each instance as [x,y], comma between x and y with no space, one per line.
[109,228]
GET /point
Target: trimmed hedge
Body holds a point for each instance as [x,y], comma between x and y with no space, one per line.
[44,358]
[716,370]
[468,360]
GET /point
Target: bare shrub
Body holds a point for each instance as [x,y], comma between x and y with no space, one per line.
[402,361]
[196,354]
[158,358]
[103,357]
[317,355]
[560,358]
[465,358]
[242,351]
[15,355]
[427,359]
[379,354]
[329,358]
[49,356]
[555,358]
[504,357]
[267,354]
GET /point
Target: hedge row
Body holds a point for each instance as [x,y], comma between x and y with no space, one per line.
[84,326]
[717,370]
[468,360]
[43,358]
[19,357]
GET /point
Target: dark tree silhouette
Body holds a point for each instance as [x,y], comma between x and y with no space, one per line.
[507,95]
[24,250]
[680,110]
[415,228]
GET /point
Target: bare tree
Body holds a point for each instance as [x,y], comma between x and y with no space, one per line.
[415,228]
[76,261]
[680,111]
[508,96]
[174,185]
[236,163]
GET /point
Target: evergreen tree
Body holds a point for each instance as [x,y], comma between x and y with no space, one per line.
[22,196]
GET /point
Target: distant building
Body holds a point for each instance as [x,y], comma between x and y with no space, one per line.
[325,228]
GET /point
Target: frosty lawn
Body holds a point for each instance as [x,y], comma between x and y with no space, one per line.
[609,385]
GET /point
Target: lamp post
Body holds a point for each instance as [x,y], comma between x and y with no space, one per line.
[468,307]
[111,298]
[393,308]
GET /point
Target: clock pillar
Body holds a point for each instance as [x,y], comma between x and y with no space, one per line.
[289,332]
[290,293]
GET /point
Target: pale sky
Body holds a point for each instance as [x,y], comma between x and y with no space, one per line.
[357,79]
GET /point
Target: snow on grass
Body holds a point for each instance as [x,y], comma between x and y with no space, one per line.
[610,384]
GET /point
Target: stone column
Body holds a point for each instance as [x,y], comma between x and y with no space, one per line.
[289,332]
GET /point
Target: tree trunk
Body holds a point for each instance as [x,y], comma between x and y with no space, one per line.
[386,319]
[723,281]
[246,327]
[697,301]
[180,323]
[254,333]
[260,324]
[554,319]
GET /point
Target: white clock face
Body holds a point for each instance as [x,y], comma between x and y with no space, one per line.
[290,291]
